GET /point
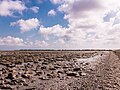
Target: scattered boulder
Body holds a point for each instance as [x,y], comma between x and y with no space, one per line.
[10,76]
[6,87]
[32,88]
[25,76]
[76,69]
[82,74]
[59,59]
[44,78]
[45,63]
[43,67]
[70,73]
[60,71]
[38,73]
[10,65]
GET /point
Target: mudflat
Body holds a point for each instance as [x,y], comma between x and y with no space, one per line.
[60,70]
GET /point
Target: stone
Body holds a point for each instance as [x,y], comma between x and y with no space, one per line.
[70,73]
[44,78]
[59,59]
[38,73]
[10,65]
[20,81]
[10,76]
[43,67]
[6,88]
[82,74]
[10,82]
[60,71]
[76,69]
[45,63]
[25,76]
[32,88]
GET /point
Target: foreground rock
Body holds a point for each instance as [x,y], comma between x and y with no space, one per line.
[92,70]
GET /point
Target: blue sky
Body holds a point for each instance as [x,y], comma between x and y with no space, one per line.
[42,15]
[59,24]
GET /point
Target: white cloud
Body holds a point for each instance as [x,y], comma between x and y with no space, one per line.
[27,25]
[52,12]
[55,30]
[56,1]
[35,9]
[40,1]
[11,41]
[40,43]
[9,7]
[86,28]
[60,41]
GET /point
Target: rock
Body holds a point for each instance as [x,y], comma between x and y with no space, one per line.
[1,78]
[5,87]
[82,74]
[29,65]
[56,66]
[70,73]
[38,73]
[25,76]
[10,65]
[10,82]
[45,63]
[76,69]
[51,67]
[36,62]
[10,70]
[43,67]
[59,59]
[66,66]
[87,63]
[44,78]
[20,81]
[32,88]
[10,76]
[19,62]
[50,75]
[41,59]
[25,84]
[1,82]
[4,71]
[60,71]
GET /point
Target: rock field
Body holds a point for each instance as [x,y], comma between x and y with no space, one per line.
[59,70]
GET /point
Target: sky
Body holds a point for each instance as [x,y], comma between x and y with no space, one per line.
[59,24]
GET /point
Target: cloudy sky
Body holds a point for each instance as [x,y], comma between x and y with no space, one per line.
[59,24]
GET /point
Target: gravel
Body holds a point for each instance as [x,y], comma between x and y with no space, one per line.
[78,70]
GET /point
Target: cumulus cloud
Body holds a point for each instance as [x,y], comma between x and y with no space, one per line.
[56,1]
[27,25]
[52,13]
[11,41]
[35,9]
[40,43]
[92,24]
[9,7]
[55,30]
[87,27]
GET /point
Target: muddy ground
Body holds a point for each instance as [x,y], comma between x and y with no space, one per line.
[59,70]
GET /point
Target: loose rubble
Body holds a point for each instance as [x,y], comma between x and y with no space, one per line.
[55,70]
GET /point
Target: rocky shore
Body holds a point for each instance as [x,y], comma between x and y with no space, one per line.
[59,70]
